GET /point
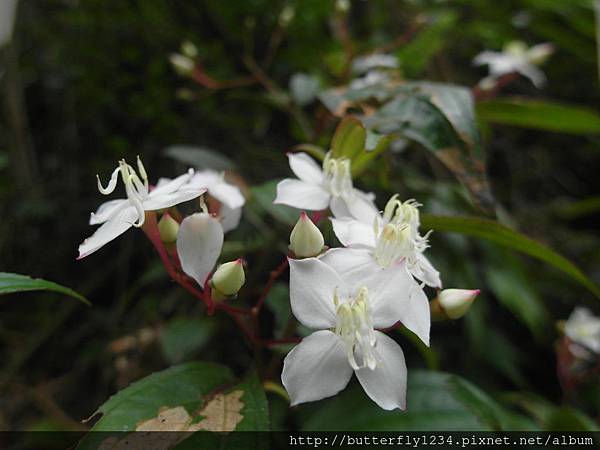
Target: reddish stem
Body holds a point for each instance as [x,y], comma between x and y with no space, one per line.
[482,94]
[272,278]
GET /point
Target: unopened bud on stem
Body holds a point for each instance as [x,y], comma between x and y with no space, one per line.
[228,279]
[168,228]
[306,239]
[456,302]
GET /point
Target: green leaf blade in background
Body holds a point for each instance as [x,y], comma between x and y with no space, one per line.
[502,235]
[436,401]
[541,115]
[12,283]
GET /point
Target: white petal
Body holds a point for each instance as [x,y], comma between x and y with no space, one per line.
[423,270]
[227,194]
[312,287]
[316,368]
[302,195]
[361,207]
[339,208]
[199,244]
[107,210]
[305,168]
[351,232]
[163,199]
[112,228]
[416,315]
[537,77]
[386,384]
[351,264]
[486,57]
[166,186]
[230,217]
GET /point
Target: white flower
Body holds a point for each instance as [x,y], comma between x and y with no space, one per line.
[229,196]
[371,78]
[199,244]
[583,328]
[392,237]
[515,57]
[348,309]
[117,216]
[364,64]
[319,188]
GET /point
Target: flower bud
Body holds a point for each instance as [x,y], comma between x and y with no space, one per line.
[456,302]
[306,239]
[183,65]
[189,49]
[168,228]
[229,278]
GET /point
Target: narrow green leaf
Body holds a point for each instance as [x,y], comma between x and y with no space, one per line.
[502,235]
[349,138]
[542,115]
[13,282]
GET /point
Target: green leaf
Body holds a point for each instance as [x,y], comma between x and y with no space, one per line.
[510,282]
[502,235]
[349,138]
[436,401]
[13,282]
[429,41]
[542,115]
[199,157]
[183,336]
[263,196]
[192,389]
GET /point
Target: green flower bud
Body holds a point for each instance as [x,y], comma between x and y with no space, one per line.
[189,49]
[168,228]
[306,239]
[456,302]
[183,65]
[229,278]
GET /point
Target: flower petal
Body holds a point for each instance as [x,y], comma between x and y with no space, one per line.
[361,207]
[227,194]
[302,195]
[107,210]
[166,186]
[163,199]
[386,384]
[351,232]
[316,368]
[537,77]
[199,244]
[351,264]
[305,168]
[423,270]
[112,228]
[416,315]
[230,217]
[312,287]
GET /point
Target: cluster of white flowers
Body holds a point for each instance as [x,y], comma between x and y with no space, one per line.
[199,237]
[375,282]
[348,294]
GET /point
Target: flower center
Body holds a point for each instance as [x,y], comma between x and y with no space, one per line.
[338,177]
[399,238]
[135,187]
[355,328]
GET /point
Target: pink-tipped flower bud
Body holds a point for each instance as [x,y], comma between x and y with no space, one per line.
[456,302]
[229,278]
[306,239]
